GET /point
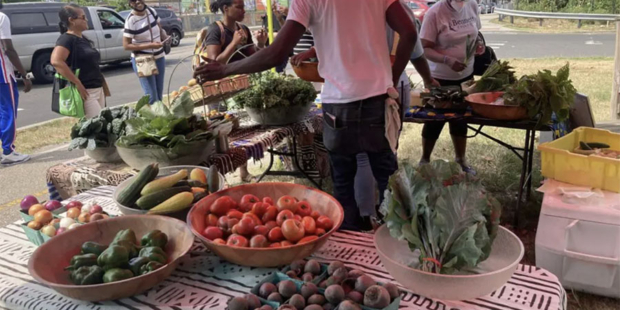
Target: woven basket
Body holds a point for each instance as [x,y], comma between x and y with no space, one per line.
[241,82]
[226,85]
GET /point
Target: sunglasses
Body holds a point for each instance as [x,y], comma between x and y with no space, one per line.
[83,17]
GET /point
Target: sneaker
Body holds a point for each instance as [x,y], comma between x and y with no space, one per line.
[469,170]
[14,158]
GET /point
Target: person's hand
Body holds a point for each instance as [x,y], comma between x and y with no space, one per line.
[82,90]
[283,10]
[454,64]
[238,37]
[211,70]
[430,83]
[261,37]
[155,45]
[27,84]
[297,59]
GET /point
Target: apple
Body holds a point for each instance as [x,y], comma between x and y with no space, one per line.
[222,205]
[35,208]
[324,222]
[238,241]
[275,245]
[293,230]
[268,201]
[219,241]
[283,216]
[259,208]
[52,205]
[28,202]
[74,204]
[235,214]
[253,216]
[48,230]
[246,226]
[95,209]
[213,233]
[270,214]
[259,241]
[287,203]
[315,215]
[247,201]
[261,230]
[211,220]
[271,224]
[309,225]
[275,234]
[303,208]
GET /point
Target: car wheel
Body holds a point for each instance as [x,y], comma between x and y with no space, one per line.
[42,69]
[175,38]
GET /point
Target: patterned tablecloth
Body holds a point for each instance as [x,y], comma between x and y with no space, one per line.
[248,142]
[204,281]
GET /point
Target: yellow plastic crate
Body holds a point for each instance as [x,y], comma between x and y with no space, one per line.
[560,163]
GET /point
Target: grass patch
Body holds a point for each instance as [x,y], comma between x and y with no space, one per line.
[52,133]
[553,25]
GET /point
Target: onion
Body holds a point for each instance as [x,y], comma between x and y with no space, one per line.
[49,230]
[66,222]
[60,230]
[27,202]
[53,205]
[95,209]
[74,204]
[74,226]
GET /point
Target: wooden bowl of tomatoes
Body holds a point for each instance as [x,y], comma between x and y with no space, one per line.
[265,224]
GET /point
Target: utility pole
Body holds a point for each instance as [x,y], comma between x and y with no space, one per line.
[615,96]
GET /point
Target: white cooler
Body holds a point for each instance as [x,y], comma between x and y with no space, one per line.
[580,244]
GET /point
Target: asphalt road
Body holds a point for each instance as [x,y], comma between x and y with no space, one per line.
[541,45]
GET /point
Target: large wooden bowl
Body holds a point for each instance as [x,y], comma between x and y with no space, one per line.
[308,71]
[268,257]
[48,261]
[482,104]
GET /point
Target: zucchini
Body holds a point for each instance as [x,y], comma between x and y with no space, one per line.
[190,183]
[213,179]
[597,145]
[163,183]
[176,203]
[584,146]
[151,200]
[128,196]
[182,183]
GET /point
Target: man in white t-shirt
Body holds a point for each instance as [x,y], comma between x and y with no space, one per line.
[350,42]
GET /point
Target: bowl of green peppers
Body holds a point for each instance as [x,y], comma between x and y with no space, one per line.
[112,259]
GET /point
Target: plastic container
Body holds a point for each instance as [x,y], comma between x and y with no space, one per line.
[560,163]
[35,236]
[580,244]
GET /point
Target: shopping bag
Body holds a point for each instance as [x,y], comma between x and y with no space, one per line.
[69,100]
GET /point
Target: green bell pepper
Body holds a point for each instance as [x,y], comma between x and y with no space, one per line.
[126,234]
[82,260]
[155,238]
[117,274]
[151,266]
[132,248]
[154,253]
[90,247]
[136,263]
[87,275]
[113,257]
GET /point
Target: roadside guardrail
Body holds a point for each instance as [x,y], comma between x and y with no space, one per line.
[549,15]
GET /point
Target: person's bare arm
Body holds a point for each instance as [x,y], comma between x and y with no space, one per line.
[162,33]
[421,66]
[262,60]
[129,46]
[400,22]
[11,53]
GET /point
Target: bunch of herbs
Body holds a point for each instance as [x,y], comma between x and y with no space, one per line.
[273,90]
[497,77]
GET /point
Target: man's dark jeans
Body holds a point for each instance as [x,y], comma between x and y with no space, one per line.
[359,127]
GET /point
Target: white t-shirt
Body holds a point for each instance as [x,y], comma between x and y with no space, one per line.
[137,28]
[350,42]
[7,72]
[449,29]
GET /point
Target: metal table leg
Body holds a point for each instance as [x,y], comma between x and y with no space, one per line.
[523,181]
[530,165]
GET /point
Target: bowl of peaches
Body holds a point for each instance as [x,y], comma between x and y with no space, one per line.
[265,224]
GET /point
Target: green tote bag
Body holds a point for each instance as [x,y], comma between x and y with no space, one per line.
[70,101]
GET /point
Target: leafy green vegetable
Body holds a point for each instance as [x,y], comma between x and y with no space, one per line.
[543,94]
[497,77]
[101,130]
[470,49]
[442,212]
[271,90]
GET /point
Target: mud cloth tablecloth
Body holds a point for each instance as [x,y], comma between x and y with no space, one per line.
[204,281]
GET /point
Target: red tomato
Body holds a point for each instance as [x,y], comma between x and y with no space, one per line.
[297,217]
[293,230]
[213,233]
[309,225]
[261,230]
[268,200]
[287,203]
[226,224]
[307,239]
[211,220]
[222,205]
[303,208]
[219,241]
[324,222]
[259,241]
[271,224]
[246,226]
[259,208]
[253,216]
[286,243]
[315,215]
[270,214]
[320,231]
[235,214]
[283,216]
[238,241]
[247,201]
[275,245]
[235,229]
[275,234]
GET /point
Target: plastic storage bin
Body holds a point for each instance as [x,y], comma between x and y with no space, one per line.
[559,163]
[580,245]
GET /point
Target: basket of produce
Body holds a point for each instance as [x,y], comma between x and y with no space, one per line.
[585,157]
[226,85]
[442,239]
[276,99]
[445,97]
[492,105]
[111,259]
[169,136]
[265,224]
[308,71]
[241,82]
[210,89]
[96,135]
[167,191]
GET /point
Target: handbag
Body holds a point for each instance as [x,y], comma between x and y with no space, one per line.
[483,61]
[145,64]
[66,99]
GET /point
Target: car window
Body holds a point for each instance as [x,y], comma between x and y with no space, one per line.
[413,6]
[110,20]
[52,18]
[28,20]
[163,13]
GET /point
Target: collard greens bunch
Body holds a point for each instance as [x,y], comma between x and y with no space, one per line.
[101,130]
[442,212]
[272,90]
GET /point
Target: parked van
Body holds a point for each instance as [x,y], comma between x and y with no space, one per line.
[34,27]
